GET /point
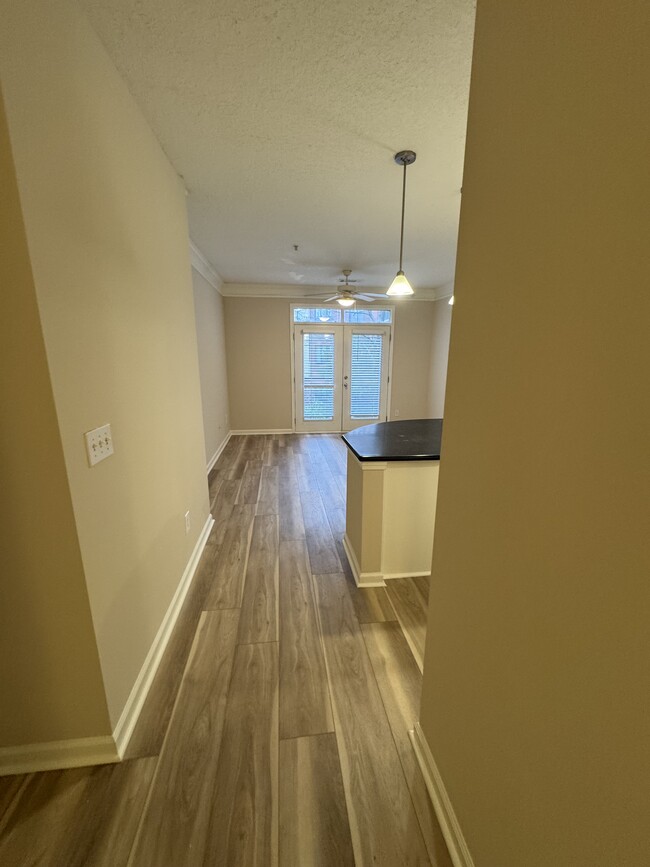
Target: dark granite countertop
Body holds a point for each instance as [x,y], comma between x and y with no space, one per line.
[409,440]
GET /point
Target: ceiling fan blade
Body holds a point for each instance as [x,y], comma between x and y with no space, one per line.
[371,295]
[363,297]
[333,298]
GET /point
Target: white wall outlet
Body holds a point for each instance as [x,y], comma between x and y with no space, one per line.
[396,413]
[99,444]
[187,522]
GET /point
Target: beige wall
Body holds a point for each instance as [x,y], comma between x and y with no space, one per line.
[258,332]
[258,356]
[106,228]
[441,329]
[413,327]
[211,344]
[536,678]
[50,681]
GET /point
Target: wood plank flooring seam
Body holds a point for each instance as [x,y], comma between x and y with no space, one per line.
[311,706]
[223,698]
[311,735]
[396,837]
[392,734]
[400,683]
[13,804]
[337,733]
[255,643]
[264,545]
[171,717]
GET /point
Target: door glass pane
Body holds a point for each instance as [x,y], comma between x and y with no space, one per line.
[319,404]
[318,376]
[365,375]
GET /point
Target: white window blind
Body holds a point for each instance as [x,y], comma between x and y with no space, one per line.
[365,375]
[318,376]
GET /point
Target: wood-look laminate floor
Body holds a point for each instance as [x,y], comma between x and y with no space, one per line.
[276,730]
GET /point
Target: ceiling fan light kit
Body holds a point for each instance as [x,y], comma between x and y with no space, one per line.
[347,295]
[400,285]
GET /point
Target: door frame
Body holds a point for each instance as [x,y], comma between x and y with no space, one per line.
[334,306]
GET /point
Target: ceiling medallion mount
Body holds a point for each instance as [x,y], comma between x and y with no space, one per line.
[405,158]
[400,285]
[346,277]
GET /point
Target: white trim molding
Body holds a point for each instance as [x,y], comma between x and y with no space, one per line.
[389,575]
[361,579]
[456,843]
[373,579]
[279,430]
[136,699]
[312,293]
[73,753]
[205,269]
[215,457]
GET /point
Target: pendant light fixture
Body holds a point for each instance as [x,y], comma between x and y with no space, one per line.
[400,285]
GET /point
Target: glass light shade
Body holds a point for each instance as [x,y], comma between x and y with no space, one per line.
[345,302]
[400,286]
[451,301]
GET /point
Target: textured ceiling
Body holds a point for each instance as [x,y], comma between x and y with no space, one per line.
[283,116]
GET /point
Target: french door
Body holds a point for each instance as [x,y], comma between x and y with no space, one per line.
[341,376]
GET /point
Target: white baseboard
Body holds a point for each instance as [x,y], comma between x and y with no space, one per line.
[73,753]
[240,433]
[136,699]
[389,575]
[361,579]
[215,457]
[458,849]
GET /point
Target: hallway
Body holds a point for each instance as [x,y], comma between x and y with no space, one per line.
[276,730]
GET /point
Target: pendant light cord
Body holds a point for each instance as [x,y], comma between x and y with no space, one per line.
[401,234]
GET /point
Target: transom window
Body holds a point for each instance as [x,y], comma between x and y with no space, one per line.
[337,316]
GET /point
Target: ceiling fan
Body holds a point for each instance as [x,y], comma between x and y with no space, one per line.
[347,295]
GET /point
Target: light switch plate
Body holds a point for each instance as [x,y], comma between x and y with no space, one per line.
[99,444]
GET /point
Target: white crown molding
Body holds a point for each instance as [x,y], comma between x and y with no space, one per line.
[444,292]
[205,269]
[310,293]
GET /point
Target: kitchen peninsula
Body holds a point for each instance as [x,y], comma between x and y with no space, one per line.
[392,486]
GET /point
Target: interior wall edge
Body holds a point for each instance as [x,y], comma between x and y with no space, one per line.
[205,269]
